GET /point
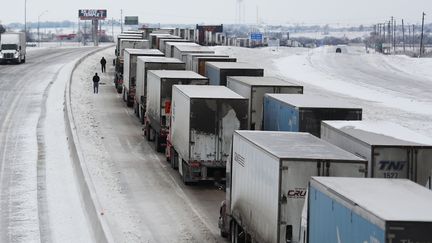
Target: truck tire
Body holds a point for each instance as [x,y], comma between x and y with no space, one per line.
[147,132]
[129,101]
[233,230]
[23,60]
[185,174]
[174,158]
[158,145]
[142,115]
[124,94]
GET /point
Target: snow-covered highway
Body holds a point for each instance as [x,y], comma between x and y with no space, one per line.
[39,197]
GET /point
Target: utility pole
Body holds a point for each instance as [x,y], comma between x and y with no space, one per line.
[391,28]
[403,35]
[112,27]
[394,34]
[409,35]
[384,32]
[25,18]
[421,37]
[413,37]
[121,20]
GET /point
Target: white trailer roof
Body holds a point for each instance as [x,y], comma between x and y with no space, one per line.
[264,81]
[380,133]
[214,57]
[297,145]
[388,199]
[177,74]
[133,40]
[311,101]
[180,43]
[157,59]
[206,55]
[143,52]
[208,92]
[193,48]
[232,65]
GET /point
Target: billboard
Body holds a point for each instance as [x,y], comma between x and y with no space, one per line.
[131,20]
[88,14]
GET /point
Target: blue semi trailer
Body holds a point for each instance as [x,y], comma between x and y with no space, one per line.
[351,210]
[304,113]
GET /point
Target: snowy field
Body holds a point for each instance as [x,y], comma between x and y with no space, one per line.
[389,88]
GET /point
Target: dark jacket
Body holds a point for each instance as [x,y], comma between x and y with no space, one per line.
[96,79]
[103,61]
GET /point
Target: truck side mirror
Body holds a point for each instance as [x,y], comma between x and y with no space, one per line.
[20,48]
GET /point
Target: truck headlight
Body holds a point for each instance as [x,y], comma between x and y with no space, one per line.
[16,54]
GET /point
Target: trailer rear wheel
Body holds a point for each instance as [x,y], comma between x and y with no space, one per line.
[147,132]
[174,158]
[142,115]
[129,101]
[233,230]
[158,145]
[185,174]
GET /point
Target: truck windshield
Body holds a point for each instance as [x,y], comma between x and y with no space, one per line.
[9,47]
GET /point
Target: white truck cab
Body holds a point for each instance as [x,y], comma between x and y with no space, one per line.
[13,47]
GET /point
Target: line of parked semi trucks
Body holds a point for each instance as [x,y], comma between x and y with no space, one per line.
[297,168]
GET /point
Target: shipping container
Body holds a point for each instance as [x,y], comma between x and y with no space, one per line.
[190,57]
[267,181]
[145,64]
[159,95]
[130,71]
[181,51]
[199,63]
[162,43]
[304,113]
[203,121]
[391,150]
[217,72]
[169,46]
[368,210]
[254,89]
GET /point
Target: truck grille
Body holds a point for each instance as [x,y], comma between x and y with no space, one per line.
[8,55]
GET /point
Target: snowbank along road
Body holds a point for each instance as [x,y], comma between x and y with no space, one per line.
[39,197]
[143,199]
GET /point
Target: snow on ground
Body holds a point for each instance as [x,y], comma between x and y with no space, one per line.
[144,200]
[337,34]
[391,88]
[39,196]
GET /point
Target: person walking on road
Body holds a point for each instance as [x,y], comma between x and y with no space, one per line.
[103,64]
[96,80]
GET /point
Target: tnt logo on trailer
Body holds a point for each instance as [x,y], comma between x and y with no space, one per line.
[388,165]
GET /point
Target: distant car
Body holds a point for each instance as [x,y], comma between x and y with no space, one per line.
[338,50]
[31,44]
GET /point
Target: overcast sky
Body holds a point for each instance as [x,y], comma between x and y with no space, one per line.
[352,12]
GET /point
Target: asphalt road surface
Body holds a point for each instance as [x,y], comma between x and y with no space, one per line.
[39,200]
